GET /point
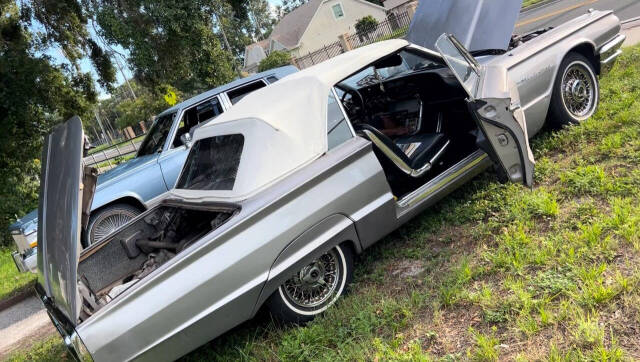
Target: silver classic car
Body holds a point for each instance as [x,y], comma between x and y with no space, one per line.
[279,193]
[127,190]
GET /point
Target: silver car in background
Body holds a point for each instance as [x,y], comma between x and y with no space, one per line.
[279,193]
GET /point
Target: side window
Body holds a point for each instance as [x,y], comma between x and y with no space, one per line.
[237,94]
[272,79]
[338,130]
[192,117]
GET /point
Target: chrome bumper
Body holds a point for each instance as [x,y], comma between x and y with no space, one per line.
[71,339]
[27,262]
[609,52]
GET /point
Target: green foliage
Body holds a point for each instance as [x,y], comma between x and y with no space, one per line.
[275,59]
[11,281]
[34,96]
[169,42]
[366,24]
[65,24]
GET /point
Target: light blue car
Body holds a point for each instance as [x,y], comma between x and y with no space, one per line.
[127,190]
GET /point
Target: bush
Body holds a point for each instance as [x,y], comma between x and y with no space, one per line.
[275,59]
[366,24]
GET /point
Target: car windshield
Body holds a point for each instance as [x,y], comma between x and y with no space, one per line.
[157,135]
[212,163]
[404,62]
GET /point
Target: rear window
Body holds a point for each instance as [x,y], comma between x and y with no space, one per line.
[237,94]
[212,163]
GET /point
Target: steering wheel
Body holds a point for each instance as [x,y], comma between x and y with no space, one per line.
[355,108]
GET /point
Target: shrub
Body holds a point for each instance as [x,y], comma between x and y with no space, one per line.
[366,24]
[275,59]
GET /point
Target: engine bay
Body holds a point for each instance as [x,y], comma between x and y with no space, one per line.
[113,265]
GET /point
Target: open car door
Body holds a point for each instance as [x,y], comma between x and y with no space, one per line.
[495,104]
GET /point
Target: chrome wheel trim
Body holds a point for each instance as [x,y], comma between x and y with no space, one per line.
[317,307]
[108,223]
[579,90]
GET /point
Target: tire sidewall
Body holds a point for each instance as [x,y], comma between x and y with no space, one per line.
[558,113]
[283,309]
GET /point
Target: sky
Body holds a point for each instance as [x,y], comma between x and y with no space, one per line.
[86,66]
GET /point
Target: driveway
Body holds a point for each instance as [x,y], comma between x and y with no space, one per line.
[23,324]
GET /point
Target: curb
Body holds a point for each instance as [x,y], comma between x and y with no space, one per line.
[631,23]
[538,5]
[22,294]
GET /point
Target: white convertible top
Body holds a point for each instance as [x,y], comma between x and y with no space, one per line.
[285,124]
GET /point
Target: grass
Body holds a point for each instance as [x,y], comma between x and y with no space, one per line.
[107,146]
[527,3]
[509,273]
[12,281]
[115,161]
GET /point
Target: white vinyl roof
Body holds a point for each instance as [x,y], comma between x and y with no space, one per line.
[285,124]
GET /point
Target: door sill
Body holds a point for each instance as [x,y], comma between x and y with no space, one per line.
[416,198]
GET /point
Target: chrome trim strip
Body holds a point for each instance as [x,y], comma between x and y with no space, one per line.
[389,153]
[612,45]
[437,155]
[437,183]
[612,57]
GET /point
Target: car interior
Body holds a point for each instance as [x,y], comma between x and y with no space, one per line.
[413,110]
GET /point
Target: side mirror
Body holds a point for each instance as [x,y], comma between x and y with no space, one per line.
[186,140]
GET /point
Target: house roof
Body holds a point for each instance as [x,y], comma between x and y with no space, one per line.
[292,26]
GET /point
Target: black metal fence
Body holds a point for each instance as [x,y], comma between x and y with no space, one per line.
[395,26]
[320,55]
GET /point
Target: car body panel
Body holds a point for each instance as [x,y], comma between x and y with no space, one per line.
[478,24]
[534,65]
[223,278]
[59,215]
[495,103]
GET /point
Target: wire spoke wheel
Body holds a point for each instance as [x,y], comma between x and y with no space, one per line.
[316,283]
[578,91]
[108,222]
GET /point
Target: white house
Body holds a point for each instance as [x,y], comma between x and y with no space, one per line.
[310,27]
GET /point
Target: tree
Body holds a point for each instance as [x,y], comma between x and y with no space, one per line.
[276,58]
[366,24]
[169,42]
[34,96]
[65,26]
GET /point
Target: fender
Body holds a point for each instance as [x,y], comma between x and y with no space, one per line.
[318,239]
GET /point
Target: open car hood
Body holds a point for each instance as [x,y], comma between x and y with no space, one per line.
[60,217]
[477,24]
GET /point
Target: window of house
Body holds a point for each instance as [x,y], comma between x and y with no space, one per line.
[237,94]
[338,130]
[337,11]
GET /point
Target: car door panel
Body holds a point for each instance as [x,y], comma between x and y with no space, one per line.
[494,103]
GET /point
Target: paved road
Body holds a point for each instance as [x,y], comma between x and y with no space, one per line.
[560,11]
[22,324]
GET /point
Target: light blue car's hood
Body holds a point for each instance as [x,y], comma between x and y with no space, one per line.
[125,168]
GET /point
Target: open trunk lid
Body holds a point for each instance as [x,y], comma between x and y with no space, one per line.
[478,24]
[59,216]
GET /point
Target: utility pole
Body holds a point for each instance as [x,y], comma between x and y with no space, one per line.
[95,111]
[115,56]
[226,43]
